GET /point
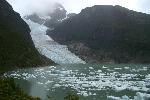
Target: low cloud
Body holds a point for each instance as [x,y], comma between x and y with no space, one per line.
[144,6]
[25,7]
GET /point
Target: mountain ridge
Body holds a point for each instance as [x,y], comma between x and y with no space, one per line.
[17,48]
[111,34]
[52,19]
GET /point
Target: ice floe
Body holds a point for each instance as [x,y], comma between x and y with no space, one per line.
[88,83]
[139,96]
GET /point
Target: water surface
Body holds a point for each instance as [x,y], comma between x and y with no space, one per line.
[89,81]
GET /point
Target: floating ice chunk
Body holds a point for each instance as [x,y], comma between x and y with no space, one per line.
[142,96]
[126,67]
[25,74]
[120,88]
[48,71]
[125,97]
[84,93]
[117,68]
[91,68]
[104,67]
[94,93]
[92,73]
[48,82]
[40,83]
[43,76]
[85,85]
[139,96]
[57,85]
[99,71]
[47,89]
[113,98]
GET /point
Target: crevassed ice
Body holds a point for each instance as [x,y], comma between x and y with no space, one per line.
[49,48]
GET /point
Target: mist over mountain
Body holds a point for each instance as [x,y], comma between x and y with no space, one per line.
[57,16]
[106,34]
[52,19]
[16,46]
[102,53]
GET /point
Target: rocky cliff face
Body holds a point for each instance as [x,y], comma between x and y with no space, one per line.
[16,46]
[113,34]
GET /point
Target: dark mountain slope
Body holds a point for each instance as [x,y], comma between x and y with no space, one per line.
[107,33]
[16,46]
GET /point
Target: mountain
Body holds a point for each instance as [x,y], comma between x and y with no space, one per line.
[52,19]
[35,18]
[16,46]
[106,34]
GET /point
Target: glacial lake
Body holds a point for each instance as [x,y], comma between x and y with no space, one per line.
[89,81]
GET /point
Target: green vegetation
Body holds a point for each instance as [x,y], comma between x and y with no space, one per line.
[10,91]
[16,46]
[71,96]
[16,50]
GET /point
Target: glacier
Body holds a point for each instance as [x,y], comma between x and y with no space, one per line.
[49,48]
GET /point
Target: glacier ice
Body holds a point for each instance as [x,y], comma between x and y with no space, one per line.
[49,48]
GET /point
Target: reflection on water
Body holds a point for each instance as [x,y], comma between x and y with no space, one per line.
[90,82]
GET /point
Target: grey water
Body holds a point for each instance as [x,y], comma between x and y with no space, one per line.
[89,81]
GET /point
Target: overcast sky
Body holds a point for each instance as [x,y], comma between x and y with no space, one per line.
[74,6]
